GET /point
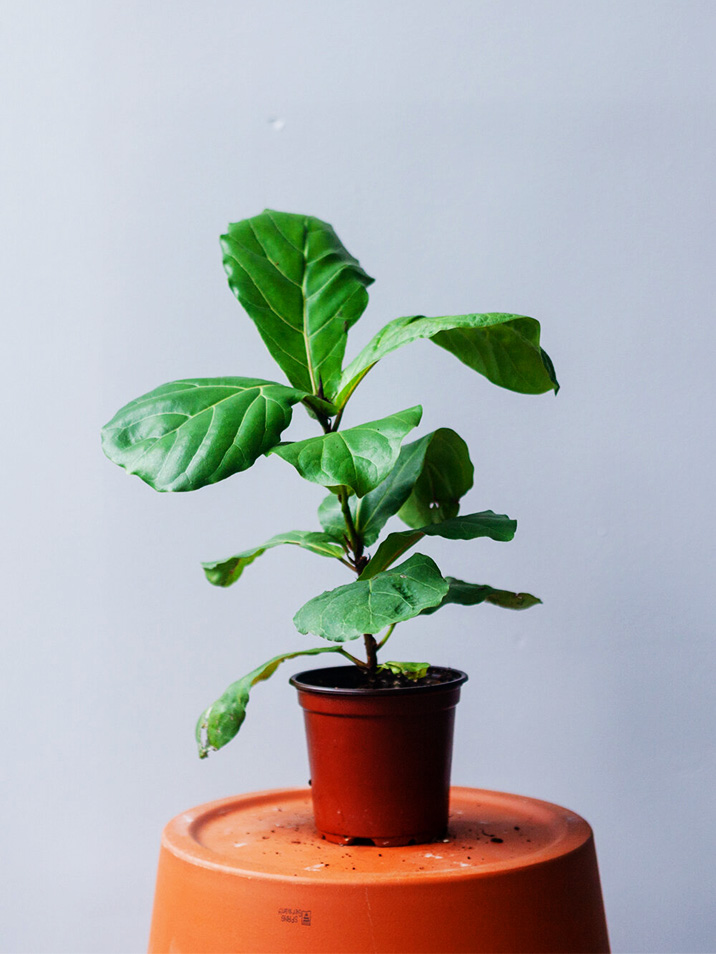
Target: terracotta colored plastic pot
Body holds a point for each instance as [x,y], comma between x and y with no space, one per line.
[380,758]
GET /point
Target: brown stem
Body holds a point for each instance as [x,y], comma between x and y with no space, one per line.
[371,651]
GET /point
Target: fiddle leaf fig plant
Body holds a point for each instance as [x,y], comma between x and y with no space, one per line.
[304,291]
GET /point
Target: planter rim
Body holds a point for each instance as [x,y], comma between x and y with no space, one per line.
[303,682]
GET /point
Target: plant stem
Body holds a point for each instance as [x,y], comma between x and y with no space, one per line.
[353,535]
[353,659]
[371,651]
[387,636]
[337,419]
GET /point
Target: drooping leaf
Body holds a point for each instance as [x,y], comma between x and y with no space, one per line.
[369,606]
[226,572]
[302,289]
[446,476]
[219,723]
[504,348]
[190,433]
[496,526]
[358,458]
[470,594]
[411,670]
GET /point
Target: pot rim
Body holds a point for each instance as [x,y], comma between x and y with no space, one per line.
[301,682]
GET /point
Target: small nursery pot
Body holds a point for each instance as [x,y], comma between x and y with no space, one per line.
[380,758]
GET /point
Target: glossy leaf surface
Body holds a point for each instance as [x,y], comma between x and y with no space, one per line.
[302,289]
[470,594]
[504,348]
[425,454]
[348,612]
[219,723]
[226,572]
[358,458]
[190,433]
[445,477]
[496,526]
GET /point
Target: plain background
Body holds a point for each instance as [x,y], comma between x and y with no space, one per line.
[547,157]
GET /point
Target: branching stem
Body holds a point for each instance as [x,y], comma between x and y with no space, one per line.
[353,659]
[387,636]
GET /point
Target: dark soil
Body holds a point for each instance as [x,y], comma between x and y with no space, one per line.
[390,680]
[353,679]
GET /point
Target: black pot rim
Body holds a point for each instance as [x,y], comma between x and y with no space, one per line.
[303,682]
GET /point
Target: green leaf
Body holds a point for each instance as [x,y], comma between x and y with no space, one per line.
[302,289]
[445,456]
[496,526]
[357,458]
[470,594]
[410,670]
[319,408]
[446,476]
[226,572]
[504,348]
[190,433]
[376,508]
[330,516]
[218,724]
[369,606]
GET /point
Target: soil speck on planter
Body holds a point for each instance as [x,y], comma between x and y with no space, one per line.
[497,841]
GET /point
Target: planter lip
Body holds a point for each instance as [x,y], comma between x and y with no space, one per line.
[302,681]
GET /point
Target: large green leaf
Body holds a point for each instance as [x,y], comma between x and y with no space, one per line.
[445,477]
[357,458]
[219,723]
[226,572]
[425,485]
[470,594]
[496,526]
[503,347]
[301,288]
[190,433]
[369,606]
[371,512]
[438,467]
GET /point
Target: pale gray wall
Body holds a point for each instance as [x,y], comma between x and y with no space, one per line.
[546,157]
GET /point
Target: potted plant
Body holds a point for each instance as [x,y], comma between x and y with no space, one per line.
[380,731]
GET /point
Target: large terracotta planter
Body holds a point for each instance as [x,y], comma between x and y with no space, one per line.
[380,758]
[249,875]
